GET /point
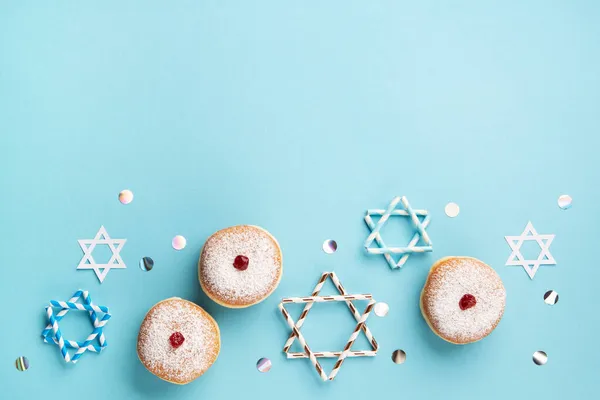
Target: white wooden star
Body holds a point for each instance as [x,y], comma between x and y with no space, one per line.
[88,245]
[530,266]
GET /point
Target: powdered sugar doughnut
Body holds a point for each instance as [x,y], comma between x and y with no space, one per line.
[178,341]
[240,266]
[463,299]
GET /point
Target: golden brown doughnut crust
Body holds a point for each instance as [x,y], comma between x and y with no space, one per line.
[492,302]
[145,339]
[211,290]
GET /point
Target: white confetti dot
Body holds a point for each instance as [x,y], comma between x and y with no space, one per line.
[126,196]
[178,242]
[381,309]
[452,210]
[565,201]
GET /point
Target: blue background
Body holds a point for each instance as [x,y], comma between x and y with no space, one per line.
[298,116]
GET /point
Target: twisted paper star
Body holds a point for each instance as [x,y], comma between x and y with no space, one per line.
[88,245]
[530,266]
[340,355]
[52,334]
[412,247]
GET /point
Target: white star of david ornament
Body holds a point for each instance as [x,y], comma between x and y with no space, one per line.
[88,262]
[530,266]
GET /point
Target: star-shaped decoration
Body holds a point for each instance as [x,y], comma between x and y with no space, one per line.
[88,245]
[342,354]
[52,334]
[406,211]
[530,266]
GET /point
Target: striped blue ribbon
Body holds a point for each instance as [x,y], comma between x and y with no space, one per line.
[52,334]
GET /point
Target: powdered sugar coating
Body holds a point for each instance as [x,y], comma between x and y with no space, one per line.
[449,280]
[232,287]
[198,351]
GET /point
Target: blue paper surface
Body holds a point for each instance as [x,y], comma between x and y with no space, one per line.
[298,117]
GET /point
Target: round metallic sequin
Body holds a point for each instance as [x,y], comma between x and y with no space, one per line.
[22,363]
[565,201]
[452,210]
[263,365]
[146,264]
[329,246]
[540,357]
[126,196]
[551,297]
[178,242]
[381,309]
[399,356]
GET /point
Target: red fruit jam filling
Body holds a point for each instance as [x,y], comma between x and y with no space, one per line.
[467,301]
[176,339]
[241,263]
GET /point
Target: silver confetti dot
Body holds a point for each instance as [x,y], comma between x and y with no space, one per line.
[178,242]
[329,246]
[146,264]
[381,309]
[399,356]
[126,196]
[22,364]
[452,210]
[540,357]
[551,297]
[263,365]
[565,201]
